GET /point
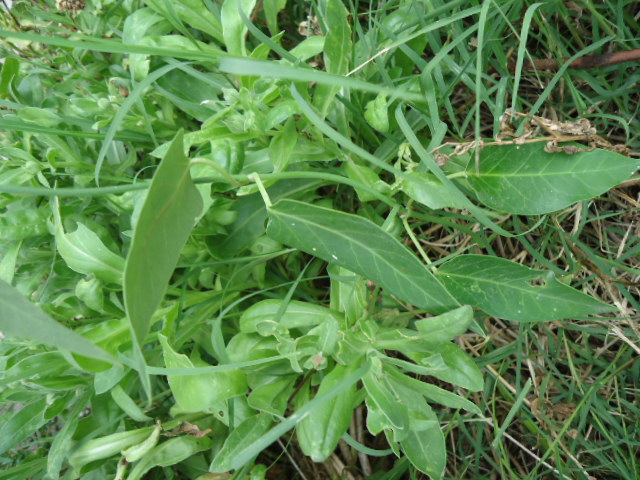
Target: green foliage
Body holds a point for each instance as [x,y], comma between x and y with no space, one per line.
[537,184]
[211,237]
[360,246]
[163,225]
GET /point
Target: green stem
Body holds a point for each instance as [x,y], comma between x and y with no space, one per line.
[263,191]
[237,179]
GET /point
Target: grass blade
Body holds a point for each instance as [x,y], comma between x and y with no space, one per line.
[21,318]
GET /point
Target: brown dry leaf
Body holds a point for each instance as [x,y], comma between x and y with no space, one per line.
[535,407]
[579,128]
[309,27]
[187,428]
[562,411]
[553,146]
[575,7]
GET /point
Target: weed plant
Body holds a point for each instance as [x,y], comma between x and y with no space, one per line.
[318,239]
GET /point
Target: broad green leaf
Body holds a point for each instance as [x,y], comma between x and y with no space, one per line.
[282,144]
[189,90]
[337,52]
[271,9]
[168,453]
[349,294]
[386,399]
[166,220]
[29,469]
[43,364]
[376,113]
[21,318]
[398,25]
[84,252]
[168,11]
[39,116]
[233,28]
[445,327]
[308,48]
[296,315]
[107,379]
[511,291]
[10,69]
[273,397]
[337,44]
[245,434]
[89,290]
[359,245]
[320,431]
[22,424]
[136,452]
[526,180]
[367,176]
[109,335]
[455,366]
[245,347]
[13,177]
[8,262]
[400,339]
[249,224]
[242,450]
[425,448]
[376,421]
[62,441]
[282,112]
[200,393]
[427,189]
[431,392]
[136,26]
[107,446]
[128,405]
[194,13]
[428,160]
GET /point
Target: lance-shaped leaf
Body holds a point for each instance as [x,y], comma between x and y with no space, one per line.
[425,448]
[361,246]
[511,291]
[247,433]
[318,434]
[21,318]
[337,50]
[524,179]
[168,453]
[233,28]
[249,224]
[166,220]
[22,424]
[84,252]
[200,393]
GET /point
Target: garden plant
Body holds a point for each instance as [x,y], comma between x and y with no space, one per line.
[318,239]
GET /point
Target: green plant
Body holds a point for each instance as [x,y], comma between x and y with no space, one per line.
[145,268]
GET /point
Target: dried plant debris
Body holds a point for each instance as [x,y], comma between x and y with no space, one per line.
[560,133]
[72,6]
[310,27]
[566,137]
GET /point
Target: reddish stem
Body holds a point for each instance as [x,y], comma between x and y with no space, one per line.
[589,61]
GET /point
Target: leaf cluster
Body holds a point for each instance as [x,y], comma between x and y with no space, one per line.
[212,233]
